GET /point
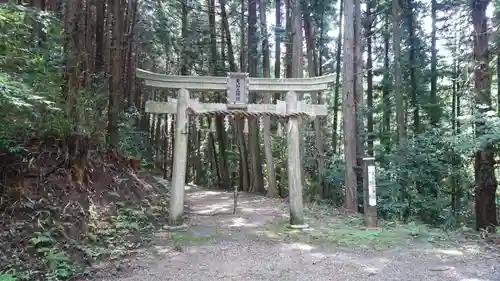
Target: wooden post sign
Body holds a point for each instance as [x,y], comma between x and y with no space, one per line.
[369,193]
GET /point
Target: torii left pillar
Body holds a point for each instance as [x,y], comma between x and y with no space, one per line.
[175,216]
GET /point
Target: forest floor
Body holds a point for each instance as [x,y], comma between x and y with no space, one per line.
[255,244]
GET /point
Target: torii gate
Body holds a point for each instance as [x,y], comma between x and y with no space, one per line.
[237,85]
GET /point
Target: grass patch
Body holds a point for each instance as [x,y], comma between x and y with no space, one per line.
[329,227]
[187,237]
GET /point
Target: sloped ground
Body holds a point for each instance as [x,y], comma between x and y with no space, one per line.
[253,244]
[64,205]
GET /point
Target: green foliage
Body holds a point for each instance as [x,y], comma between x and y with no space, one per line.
[58,265]
[420,185]
[334,179]
[31,59]
[9,275]
[132,141]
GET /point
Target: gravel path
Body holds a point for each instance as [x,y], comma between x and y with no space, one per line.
[230,248]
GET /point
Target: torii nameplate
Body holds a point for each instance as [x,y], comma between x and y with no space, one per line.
[237,90]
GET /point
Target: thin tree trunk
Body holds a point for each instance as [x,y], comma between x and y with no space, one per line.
[369,78]
[312,69]
[358,92]
[413,66]
[289,41]
[219,123]
[386,115]
[400,108]
[336,98]
[400,105]
[272,190]
[435,108]
[296,63]
[116,80]
[277,74]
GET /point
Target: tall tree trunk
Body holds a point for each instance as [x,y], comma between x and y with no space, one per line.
[254,140]
[486,182]
[396,35]
[70,75]
[369,78]
[349,108]
[313,71]
[435,108]
[219,123]
[184,34]
[277,74]
[386,101]
[116,80]
[358,92]
[498,82]
[455,194]
[296,61]
[129,81]
[244,176]
[277,54]
[400,106]
[100,40]
[240,122]
[413,66]
[243,55]
[272,190]
[336,98]
[289,39]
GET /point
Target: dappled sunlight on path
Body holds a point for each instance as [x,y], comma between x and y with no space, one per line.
[220,245]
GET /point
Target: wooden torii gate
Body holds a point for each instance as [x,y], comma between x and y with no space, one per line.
[237,86]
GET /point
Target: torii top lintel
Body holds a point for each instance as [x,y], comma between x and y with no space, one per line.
[210,83]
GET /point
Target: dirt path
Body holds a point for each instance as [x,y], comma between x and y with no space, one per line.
[241,247]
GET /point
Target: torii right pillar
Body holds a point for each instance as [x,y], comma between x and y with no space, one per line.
[294,165]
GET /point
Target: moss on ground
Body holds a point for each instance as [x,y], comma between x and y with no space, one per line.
[328,226]
[188,237]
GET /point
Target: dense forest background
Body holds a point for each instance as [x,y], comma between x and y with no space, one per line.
[419,78]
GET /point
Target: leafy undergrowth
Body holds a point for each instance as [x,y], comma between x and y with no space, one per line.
[328,226]
[59,214]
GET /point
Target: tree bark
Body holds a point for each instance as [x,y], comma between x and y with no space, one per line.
[369,78]
[400,108]
[349,108]
[257,184]
[272,190]
[358,92]
[435,108]
[485,179]
[386,101]
[219,123]
[413,66]
[116,81]
[313,71]
[336,98]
